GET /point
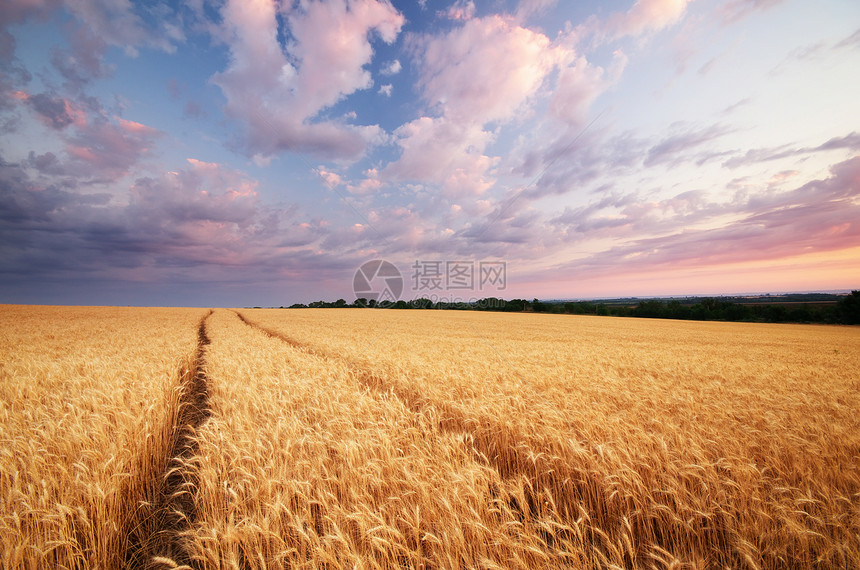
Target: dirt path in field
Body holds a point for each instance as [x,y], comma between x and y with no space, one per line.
[540,482]
[171,510]
[492,443]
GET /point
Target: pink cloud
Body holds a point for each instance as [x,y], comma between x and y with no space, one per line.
[203,192]
[278,93]
[580,84]
[643,17]
[136,128]
[116,22]
[460,10]
[486,69]
[54,111]
[819,216]
[479,76]
[391,68]
[106,151]
[443,152]
[737,10]
[16,11]
[527,8]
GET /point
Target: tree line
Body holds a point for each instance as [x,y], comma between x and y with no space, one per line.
[845,311]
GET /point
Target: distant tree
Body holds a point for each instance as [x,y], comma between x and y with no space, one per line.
[340,303]
[801,314]
[775,314]
[298,306]
[675,310]
[490,304]
[421,303]
[538,307]
[736,312]
[360,302]
[848,309]
[650,309]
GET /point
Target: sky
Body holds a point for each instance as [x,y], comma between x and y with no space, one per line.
[259,152]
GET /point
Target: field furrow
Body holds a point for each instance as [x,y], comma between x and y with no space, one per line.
[160,529]
[301,465]
[733,447]
[180,438]
[87,398]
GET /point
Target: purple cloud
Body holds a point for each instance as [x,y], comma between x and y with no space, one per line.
[56,112]
[277,94]
[82,62]
[675,148]
[204,215]
[850,141]
[736,10]
[818,216]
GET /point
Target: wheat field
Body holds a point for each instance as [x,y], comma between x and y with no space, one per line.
[350,438]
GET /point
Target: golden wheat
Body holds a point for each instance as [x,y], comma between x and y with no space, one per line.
[85,400]
[301,466]
[706,444]
[425,439]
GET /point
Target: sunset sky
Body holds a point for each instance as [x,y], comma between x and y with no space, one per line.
[250,152]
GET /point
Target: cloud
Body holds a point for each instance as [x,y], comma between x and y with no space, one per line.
[818,216]
[851,41]
[99,23]
[55,112]
[108,150]
[514,227]
[485,69]
[24,203]
[460,10]
[14,12]
[386,89]
[736,10]
[645,16]
[527,8]
[193,110]
[443,152]
[391,68]
[195,201]
[204,216]
[735,106]
[370,184]
[580,84]
[278,93]
[850,141]
[673,149]
[116,22]
[82,61]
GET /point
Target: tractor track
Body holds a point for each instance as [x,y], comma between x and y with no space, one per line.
[544,477]
[170,511]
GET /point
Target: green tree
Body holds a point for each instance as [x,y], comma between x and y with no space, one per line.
[848,309]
